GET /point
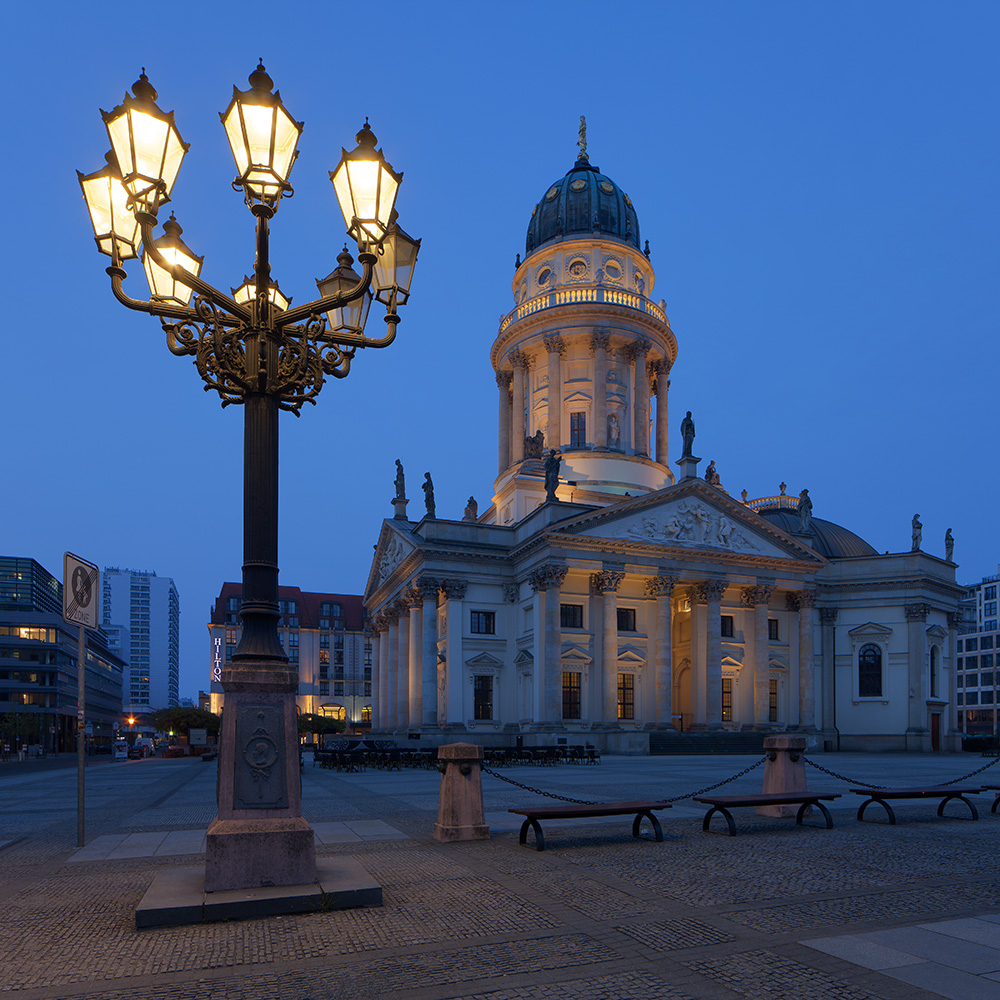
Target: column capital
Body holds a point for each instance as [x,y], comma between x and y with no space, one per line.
[403,605]
[426,586]
[660,586]
[414,597]
[917,612]
[378,621]
[828,616]
[554,344]
[637,349]
[955,619]
[606,581]
[658,366]
[750,597]
[708,590]
[454,590]
[599,341]
[800,600]
[391,615]
[519,359]
[504,378]
[548,576]
[511,592]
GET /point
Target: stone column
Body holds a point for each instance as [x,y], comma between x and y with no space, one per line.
[698,710]
[916,655]
[828,683]
[415,599]
[503,384]
[640,435]
[546,583]
[556,348]
[521,364]
[659,370]
[428,590]
[376,667]
[599,347]
[403,664]
[803,602]
[659,589]
[710,592]
[382,624]
[392,668]
[455,663]
[758,598]
[956,725]
[606,583]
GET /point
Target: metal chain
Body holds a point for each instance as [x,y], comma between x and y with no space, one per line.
[869,784]
[584,802]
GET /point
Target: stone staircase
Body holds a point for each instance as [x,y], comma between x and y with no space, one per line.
[661,743]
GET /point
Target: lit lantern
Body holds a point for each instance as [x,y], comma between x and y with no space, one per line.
[351,317]
[148,146]
[262,136]
[115,228]
[247,292]
[366,186]
[397,257]
[162,285]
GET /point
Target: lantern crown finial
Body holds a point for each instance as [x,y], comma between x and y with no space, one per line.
[366,137]
[259,80]
[142,89]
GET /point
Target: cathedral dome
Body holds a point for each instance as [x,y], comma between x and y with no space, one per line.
[583,202]
[831,540]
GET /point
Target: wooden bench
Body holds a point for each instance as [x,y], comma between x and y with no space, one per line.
[641,811]
[723,803]
[943,792]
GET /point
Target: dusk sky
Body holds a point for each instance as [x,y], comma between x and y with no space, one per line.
[817,182]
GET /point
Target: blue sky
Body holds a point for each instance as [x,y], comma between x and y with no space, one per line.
[817,183]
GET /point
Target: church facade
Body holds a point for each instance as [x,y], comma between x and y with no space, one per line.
[600,598]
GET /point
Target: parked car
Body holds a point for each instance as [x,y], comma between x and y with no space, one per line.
[121,752]
[136,753]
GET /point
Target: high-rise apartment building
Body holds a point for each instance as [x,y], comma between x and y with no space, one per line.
[978,658]
[147,606]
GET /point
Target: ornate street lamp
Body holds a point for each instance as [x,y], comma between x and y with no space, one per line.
[254,349]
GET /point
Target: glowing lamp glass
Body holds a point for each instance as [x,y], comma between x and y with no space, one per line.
[351,317]
[115,228]
[247,292]
[397,257]
[366,187]
[162,285]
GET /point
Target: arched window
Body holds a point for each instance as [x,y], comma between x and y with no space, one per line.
[870,671]
[934,671]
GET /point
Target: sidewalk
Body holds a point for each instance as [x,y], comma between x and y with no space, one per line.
[861,911]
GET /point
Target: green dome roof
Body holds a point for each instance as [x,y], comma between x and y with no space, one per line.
[583,202]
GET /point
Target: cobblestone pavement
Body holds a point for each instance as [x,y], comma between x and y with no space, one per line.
[864,910]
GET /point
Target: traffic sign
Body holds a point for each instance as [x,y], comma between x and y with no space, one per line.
[81,583]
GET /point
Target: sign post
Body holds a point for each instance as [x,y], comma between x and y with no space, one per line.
[81,583]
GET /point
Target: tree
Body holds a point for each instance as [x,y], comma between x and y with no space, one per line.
[181,720]
[310,722]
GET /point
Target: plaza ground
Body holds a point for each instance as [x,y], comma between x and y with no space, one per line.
[864,910]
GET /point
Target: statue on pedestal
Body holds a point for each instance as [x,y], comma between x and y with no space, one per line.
[917,530]
[400,481]
[687,432]
[805,512]
[471,510]
[552,463]
[949,545]
[712,476]
[534,445]
[428,487]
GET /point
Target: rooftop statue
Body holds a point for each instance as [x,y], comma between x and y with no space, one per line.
[428,487]
[805,512]
[552,462]
[687,432]
[400,481]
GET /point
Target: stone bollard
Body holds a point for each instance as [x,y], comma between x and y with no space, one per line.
[460,805]
[784,771]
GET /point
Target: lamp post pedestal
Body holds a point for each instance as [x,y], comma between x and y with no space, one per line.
[259,837]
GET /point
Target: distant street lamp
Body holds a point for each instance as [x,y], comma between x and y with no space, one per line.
[253,348]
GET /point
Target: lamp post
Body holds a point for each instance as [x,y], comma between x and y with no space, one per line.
[252,348]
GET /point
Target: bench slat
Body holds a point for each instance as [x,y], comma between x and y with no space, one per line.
[577,811]
[765,799]
[928,792]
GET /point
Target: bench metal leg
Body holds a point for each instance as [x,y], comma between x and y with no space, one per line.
[533,824]
[822,808]
[726,813]
[657,829]
[885,805]
[996,802]
[948,798]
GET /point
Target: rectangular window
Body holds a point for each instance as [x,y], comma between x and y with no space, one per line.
[571,615]
[324,656]
[959,648]
[971,645]
[626,619]
[571,694]
[972,680]
[990,609]
[229,652]
[324,642]
[986,698]
[338,689]
[972,663]
[338,656]
[368,694]
[726,628]
[338,642]
[772,629]
[990,626]
[484,623]
[577,430]
[986,662]
[986,679]
[986,642]
[990,593]
[231,635]
[626,696]
[234,603]
[960,698]
[727,699]
[324,687]
[960,681]
[324,623]
[772,700]
[971,697]
[482,696]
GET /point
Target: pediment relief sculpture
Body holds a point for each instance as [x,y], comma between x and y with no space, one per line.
[689,522]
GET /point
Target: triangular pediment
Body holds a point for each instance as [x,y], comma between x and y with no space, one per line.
[691,515]
[937,632]
[524,658]
[628,654]
[870,630]
[572,652]
[484,661]
[392,548]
